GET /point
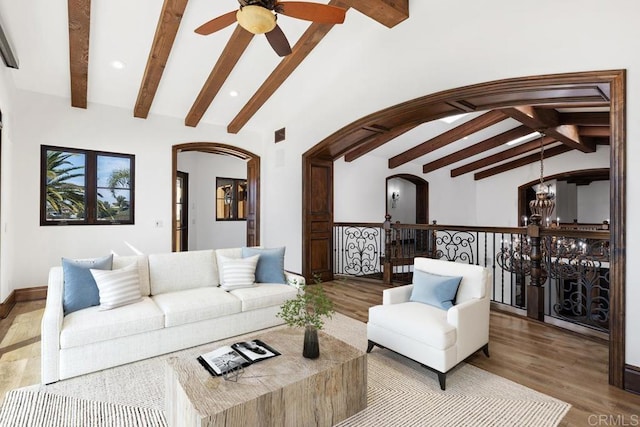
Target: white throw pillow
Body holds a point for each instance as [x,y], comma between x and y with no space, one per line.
[238,272]
[118,287]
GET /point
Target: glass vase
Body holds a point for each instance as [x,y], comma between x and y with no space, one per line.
[311,348]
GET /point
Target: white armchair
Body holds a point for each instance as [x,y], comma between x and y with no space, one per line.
[437,339]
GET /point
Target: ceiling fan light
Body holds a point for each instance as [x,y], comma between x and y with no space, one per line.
[256,19]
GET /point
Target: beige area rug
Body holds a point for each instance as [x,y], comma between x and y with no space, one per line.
[400,393]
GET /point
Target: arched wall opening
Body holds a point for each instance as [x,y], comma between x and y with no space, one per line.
[253,184]
[317,185]
[419,200]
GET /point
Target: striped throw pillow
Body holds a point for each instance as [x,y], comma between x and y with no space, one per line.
[238,272]
[118,287]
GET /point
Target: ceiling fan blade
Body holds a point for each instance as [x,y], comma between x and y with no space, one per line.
[217,24]
[316,12]
[278,41]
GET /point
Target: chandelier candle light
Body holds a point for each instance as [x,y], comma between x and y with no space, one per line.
[543,204]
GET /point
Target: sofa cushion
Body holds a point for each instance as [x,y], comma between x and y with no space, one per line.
[178,271]
[229,253]
[264,295]
[474,277]
[270,267]
[143,269]
[194,305]
[92,325]
[80,289]
[237,272]
[434,289]
[420,322]
[117,287]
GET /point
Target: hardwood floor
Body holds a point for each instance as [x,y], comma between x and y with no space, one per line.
[550,360]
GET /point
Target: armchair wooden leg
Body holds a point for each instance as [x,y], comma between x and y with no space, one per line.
[485,350]
[370,345]
[442,378]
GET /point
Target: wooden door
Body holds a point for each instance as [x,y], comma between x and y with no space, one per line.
[317,196]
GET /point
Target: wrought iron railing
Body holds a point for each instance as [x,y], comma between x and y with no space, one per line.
[357,249]
[575,263]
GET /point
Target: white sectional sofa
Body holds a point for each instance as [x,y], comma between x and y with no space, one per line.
[181,306]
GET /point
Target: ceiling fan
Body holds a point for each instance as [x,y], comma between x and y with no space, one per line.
[259,17]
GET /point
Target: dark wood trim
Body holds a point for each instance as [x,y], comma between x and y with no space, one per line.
[31,294]
[618,214]
[7,305]
[632,379]
[553,89]
[253,182]
[22,295]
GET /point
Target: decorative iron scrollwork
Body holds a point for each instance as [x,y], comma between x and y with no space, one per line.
[455,246]
[361,250]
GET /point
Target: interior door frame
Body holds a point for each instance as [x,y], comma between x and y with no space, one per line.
[184,244]
[253,183]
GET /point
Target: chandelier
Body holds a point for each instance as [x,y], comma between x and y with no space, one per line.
[543,205]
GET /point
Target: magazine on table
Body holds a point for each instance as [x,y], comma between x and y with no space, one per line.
[229,357]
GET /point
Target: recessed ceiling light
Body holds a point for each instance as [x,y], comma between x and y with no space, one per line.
[526,138]
[118,65]
[233,93]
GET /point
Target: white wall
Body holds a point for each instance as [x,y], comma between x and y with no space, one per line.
[204,231]
[566,202]
[593,202]
[41,119]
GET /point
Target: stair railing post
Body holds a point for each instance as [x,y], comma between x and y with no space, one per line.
[387,269]
[535,290]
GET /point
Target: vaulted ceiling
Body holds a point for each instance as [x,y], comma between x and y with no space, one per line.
[574,117]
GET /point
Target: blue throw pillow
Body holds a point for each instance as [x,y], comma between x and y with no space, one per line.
[270,267]
[80,288]
[433,289]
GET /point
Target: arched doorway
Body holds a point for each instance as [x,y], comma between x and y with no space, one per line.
[420,199]
[351,142]
[253,184]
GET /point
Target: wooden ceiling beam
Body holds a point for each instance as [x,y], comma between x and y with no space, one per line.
[308,41]
[455,134]
[168,24]
[230,56]
[585,119]
[377,140]
[597,131]
[79,12]
[548,121]
[477,148]
[387,12]
[555,151]
[502,156]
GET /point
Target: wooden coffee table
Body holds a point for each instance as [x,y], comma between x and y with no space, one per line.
[285,390]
